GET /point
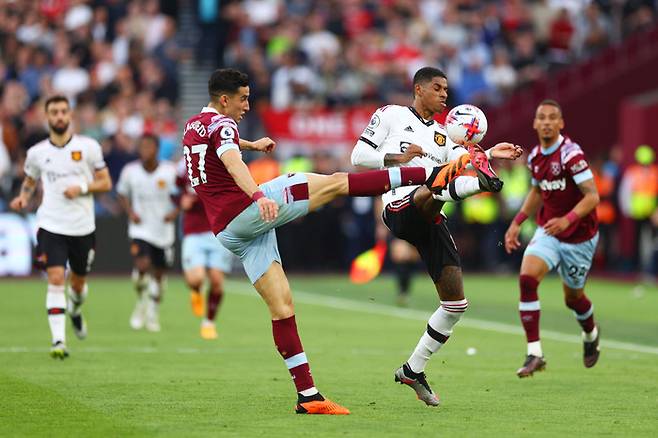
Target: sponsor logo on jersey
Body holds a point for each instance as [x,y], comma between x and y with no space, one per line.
[162,184]
[374,121]
[556,168]
[369,132]
[408,129]
[558,184]
[76,155]
[439,138]
[582,164]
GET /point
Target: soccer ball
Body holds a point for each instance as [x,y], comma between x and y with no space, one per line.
[466,125]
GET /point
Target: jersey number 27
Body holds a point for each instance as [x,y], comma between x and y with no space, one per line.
[201,165]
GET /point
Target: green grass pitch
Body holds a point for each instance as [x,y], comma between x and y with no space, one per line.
[123,383]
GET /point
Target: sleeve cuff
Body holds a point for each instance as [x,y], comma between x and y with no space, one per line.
[583,176]
[220,150]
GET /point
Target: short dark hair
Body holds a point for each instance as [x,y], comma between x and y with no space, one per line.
[54,99]
[152,137]
[551,102]
[226,81]
[426,74]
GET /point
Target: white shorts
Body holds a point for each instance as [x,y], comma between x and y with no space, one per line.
[204,250]
[573,260]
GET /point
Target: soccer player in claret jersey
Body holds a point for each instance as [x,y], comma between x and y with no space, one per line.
[244,216]
[399,136]
[201,256]
[71,169]
[564,198]
[145,191]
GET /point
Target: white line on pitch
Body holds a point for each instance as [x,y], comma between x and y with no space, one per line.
[419,315]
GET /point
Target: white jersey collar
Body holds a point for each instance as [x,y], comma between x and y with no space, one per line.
[208,109]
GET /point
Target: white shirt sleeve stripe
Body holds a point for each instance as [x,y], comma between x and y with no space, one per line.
[226,147]
[583,176]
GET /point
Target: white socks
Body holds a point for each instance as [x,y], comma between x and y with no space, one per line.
[459,189]
[439,329]
[534,348]
[56,305]
[141,282]
[76,299]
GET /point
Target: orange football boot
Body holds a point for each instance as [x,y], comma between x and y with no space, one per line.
[324,407]
[196,301]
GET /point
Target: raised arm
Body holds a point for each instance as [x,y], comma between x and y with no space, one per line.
[264,144]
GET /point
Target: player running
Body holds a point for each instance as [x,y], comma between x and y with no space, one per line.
[145,191]
[244,216]
[71,168]
[399,136]
[564,198]
[201,255]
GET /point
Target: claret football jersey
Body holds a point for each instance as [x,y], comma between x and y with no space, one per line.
[557,171]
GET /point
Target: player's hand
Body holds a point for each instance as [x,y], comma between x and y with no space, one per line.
[269,210]
[134,217]
[187,201]
[512,242]
[412,151]
[264,144]
[171,216]
[506,151]
[18,203]
[72,192]
[556,225]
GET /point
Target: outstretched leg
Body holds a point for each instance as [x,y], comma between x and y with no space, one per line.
[323,189]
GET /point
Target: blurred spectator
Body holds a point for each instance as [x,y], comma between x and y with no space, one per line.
[115,60]
[638,198]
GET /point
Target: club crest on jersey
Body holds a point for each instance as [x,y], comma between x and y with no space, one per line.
[555,168]
[439,138]
[76,155]
[162,184]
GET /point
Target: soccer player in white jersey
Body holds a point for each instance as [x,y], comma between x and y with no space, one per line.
[409,136]
[145,190]
[71,168]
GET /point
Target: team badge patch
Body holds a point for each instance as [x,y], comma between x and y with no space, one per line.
[439,138]
[555,168]
[162,184]
[76,155]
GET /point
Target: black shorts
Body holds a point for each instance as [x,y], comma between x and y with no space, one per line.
[160,257]
[56,249]
[432,240]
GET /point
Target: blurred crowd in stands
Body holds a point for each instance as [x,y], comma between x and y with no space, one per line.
[118,63]
[343,52]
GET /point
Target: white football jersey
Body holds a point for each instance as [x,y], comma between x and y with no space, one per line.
[59,167]
[150,194]
[393,127]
